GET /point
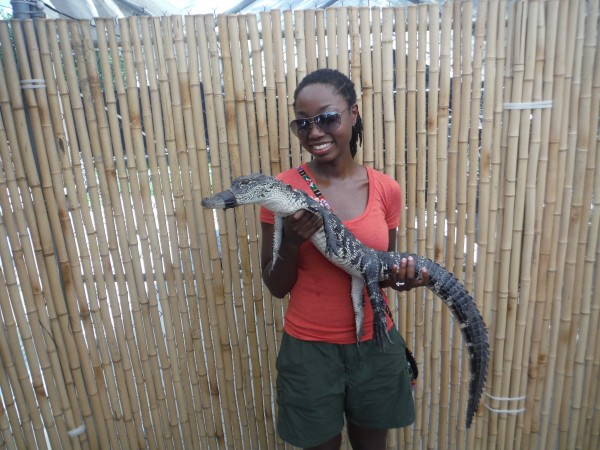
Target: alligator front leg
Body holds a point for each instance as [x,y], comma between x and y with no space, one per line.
[277,238]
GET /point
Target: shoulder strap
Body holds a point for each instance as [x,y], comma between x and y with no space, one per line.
[312,186]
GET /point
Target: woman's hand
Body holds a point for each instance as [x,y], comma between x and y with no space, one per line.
[404,277]
[281,275]
[300,226]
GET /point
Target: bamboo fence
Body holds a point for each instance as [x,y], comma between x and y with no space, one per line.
[133,318]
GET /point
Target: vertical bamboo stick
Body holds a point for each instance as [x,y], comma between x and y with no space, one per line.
[433,308]
[320,38]
[456,106]
[441,213]
[270,89]
[332,34]
[295,149]
[387,87]
[343,34]
[400,146]
[366,86]
[378,119]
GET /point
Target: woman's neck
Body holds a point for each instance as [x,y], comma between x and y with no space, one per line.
[338,169]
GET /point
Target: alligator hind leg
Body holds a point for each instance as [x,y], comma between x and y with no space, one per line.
[380,332]
[358,305]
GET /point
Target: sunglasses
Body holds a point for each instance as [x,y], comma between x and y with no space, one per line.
[327,121]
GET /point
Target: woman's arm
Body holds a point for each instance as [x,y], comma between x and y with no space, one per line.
[281,276]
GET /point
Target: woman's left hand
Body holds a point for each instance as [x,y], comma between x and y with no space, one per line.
[405,277]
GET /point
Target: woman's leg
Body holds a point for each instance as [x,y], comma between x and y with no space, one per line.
[366,438]
[332,444]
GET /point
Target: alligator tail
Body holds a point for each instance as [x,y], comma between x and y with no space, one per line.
[464,309]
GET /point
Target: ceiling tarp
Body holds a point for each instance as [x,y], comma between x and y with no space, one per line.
[88,9]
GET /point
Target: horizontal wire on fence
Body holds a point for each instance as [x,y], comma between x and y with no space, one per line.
[528,105]
[505,399]
[34,83]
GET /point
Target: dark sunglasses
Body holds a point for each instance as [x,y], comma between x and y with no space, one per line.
[327,121]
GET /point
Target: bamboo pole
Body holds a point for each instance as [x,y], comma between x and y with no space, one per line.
[270,87]
[378,119]
[310,40]
[441,214]
[343,40]
[400,147]
[295,148]
[332,33]
[452,198]
[387,87]
[259,92]
[485,175]
[366,87]
[433,308]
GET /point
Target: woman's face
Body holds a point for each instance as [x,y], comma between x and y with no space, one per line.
[325,146]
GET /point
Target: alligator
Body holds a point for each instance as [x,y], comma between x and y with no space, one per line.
[366,266]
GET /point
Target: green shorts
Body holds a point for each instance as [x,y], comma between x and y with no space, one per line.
[318,383]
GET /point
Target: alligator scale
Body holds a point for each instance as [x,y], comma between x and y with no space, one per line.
[366,266]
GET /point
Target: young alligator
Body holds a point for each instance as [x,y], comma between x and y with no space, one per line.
[366,266]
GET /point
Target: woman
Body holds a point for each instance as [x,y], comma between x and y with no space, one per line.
[323,376]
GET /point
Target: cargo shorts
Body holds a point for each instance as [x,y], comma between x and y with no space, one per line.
[319,384]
